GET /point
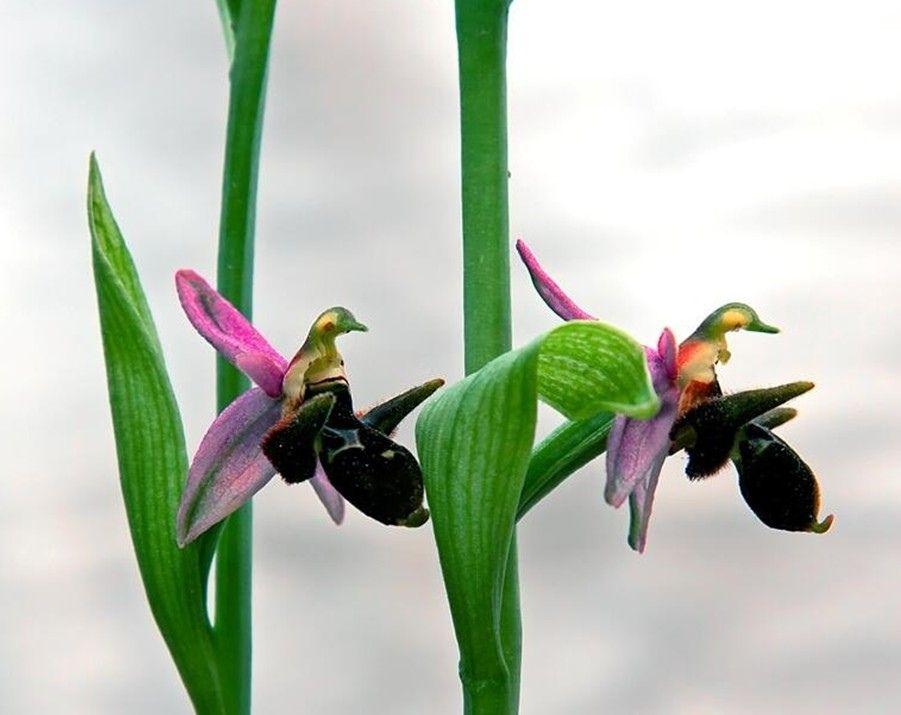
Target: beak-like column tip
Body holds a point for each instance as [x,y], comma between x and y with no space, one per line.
[758,326]
[823,526]
[417,518]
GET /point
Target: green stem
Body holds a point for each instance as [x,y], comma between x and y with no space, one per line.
[235,282]
[481,42]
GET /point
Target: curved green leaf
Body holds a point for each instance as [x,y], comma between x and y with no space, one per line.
[151,454]
[475,440]
[568,448]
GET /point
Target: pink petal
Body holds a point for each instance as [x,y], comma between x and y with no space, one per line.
[635,445]
[668,350]
[230,333]
[636,449]
[641,501]
[328,495]
[550,292]
[229,467]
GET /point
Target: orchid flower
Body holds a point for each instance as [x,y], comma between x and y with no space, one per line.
[775,482]
[299,421]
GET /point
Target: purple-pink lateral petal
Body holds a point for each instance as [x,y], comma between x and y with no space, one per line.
[636,449]
[641,501]
[550,292]
[229,467]
[667,351]
[230,333]
[634,445]
[328,495]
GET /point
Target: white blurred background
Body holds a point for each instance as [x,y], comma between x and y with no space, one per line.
[665,158]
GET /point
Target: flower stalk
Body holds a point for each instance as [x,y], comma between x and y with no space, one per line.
[481,43]
[247,94]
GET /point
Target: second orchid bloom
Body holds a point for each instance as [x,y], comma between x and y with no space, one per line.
[299,422]
[695,415]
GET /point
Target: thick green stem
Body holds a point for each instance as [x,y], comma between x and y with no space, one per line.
[481,41]
[235,282]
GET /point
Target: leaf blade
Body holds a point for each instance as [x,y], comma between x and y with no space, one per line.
[475,444]
[568,448]
[228,16]
[151,454]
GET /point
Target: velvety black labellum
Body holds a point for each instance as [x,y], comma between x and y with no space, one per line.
[291,444]
[714,438]
[713,426]
[375,474]
[776,483]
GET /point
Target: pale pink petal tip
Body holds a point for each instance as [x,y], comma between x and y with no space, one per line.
[328,495]
[229,332]
[641,502]
[229,467]
[549,291]
[668,350]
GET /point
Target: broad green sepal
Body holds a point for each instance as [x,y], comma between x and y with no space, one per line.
[151,454]
[586,367]
[475,443]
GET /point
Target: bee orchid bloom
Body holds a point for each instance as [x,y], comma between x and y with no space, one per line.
[298,421]
[775,482]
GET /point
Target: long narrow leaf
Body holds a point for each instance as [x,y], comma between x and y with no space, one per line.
[151,453]
[568,448]
[229,10]
[475,440]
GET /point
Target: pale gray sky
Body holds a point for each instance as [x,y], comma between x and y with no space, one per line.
[665,158]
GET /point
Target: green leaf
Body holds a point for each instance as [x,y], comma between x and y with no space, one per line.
[568,448]
[474,441]
[151,454]
[229,11]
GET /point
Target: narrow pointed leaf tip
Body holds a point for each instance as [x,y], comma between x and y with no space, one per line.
[151,456]
[230,333]
[547,288]
[475,439]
